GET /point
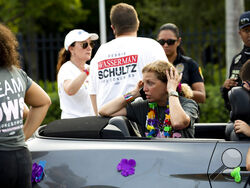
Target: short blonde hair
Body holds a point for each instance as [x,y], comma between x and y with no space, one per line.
[160,68]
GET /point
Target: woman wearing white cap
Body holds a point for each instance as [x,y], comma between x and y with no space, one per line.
[73,72]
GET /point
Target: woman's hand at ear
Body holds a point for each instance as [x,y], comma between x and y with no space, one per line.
[173,79]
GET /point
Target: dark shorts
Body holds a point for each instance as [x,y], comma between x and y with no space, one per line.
[15,168]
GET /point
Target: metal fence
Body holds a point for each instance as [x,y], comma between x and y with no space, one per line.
[39,55]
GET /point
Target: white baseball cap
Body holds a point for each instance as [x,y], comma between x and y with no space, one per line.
[78,35]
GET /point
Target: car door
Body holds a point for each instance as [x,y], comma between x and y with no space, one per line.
[92,163]
[226,157]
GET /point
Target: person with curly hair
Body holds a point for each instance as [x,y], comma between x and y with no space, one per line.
[16,90]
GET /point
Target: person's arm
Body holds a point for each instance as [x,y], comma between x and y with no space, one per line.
[178,117]
[39,102]
[117,107]
[227,85]
[199,93]
[25,111]
[248,160]
[94,104]
[242,127]
[71,87]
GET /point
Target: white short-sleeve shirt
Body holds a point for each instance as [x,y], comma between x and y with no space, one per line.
[77,105]
[117,66]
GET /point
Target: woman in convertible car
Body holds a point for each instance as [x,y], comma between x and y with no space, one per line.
[167,111]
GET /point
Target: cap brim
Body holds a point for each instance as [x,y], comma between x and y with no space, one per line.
[244,25]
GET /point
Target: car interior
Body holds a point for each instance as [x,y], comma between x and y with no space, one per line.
[119,127]
[93,127]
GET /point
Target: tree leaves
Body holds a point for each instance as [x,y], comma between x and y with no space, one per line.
[29,16]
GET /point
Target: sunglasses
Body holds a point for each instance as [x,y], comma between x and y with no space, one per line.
[169,41]
[86,44]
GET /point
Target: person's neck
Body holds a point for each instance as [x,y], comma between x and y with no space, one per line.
[78,63]
[172,58]
[129,34]
[162,102]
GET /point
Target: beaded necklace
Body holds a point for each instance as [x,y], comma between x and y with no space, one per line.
[155,127]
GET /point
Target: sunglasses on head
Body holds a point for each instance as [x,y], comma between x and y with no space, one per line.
[86,44]
[169,41]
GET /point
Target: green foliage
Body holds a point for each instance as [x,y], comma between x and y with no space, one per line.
[184,14]
[48,86]
[213,109]
[54,111]
[37,16]
[213,74]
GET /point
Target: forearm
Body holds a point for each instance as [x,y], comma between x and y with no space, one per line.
[113,107]
[117,107]
[199,92]
[246,131]
[199,96]
[248,160]
[34,119]
[94,104]
[25,111]
[178,117]
[71,87]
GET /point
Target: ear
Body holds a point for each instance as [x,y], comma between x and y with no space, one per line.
[239,32]
[113,28]
[70,49]
[179,41]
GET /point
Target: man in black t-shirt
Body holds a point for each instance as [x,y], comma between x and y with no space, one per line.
[239,59]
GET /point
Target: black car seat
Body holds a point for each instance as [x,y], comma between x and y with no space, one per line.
[127,127]
[239,99]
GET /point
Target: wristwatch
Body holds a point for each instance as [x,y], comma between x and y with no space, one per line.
[173,93]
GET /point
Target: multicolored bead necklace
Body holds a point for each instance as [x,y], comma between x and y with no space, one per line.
[155,127]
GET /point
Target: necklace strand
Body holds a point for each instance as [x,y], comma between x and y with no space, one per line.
[155,127]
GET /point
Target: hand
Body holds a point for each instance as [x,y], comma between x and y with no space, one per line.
[87,67]
[173,79]
[229,83]
[136,92]
[246,85]
[242,127]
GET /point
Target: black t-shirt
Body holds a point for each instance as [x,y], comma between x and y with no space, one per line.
[138,110]
[237,62]
[190,69]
